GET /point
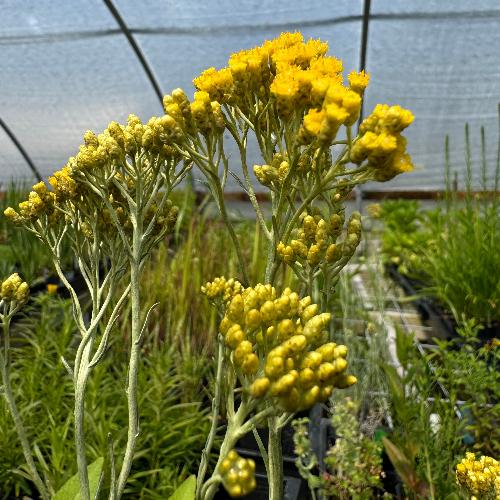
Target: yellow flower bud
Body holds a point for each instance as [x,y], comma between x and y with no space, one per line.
[236,309]
[327,351]
[309,312]
[340,351]
[325,393]
[250,364]
[307,378]
[285,329]
[252,318]
[275,366]
[326,371]
[345,381]
[340,365]
[268,311]
[242,350]
[234,336]
[311,360]
[260,387]
[311,397]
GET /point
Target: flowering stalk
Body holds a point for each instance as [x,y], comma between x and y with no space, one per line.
[111,202]
[13,294]
[290,95]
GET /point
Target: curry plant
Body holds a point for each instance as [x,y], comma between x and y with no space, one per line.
[289,98]
[111,203]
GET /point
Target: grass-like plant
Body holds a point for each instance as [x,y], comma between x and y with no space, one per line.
[452,250]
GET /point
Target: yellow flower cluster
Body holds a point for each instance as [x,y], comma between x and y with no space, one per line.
[238,474]
[298,75]
[218,84]
[381,142]
[273,175]
[100,154]
[316,240]
[480,477]
[278,346]
[222,288]
[340,106]
[14,289]
[202,114]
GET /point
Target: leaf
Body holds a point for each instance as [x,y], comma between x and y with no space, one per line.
[71,488]
[404,467]
[396,388]
[404,346]
[186,491]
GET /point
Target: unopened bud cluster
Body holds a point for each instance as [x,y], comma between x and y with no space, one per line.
[273,175]
[222,288]
[382,144]
[238,474]
[102,161]
[278,346]
[481,478]
[14,289]
[203,114]
[315,242]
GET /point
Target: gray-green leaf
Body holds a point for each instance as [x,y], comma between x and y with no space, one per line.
[186,491]
[71,488]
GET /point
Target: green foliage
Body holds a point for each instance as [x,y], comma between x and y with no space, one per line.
[71,489]
[453,249]
[427,435]
[471,371]
[186,490]
[172,432]
[353,466]
[354,463]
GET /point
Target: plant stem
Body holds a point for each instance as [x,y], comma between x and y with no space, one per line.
[230,228]
[230,440]
[11,404]
[275,454]
[135,348]
[213,428]
[79,412]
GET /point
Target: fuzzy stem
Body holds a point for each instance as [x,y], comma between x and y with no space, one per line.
[11,404]
[79,412]
[213,428]
[232,233]
[135,348]
[275,454]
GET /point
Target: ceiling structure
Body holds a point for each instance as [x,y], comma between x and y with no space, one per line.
[68,66]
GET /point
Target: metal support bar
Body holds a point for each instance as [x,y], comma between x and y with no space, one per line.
[135,47]
[20,148]
[358,190]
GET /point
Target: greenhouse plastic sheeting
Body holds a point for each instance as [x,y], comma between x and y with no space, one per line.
[67,67]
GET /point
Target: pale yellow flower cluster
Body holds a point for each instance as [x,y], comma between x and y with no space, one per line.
[14,289]
[238,474]
[278,345]
[99,156]
[316,241]
[273,175]
[481,478]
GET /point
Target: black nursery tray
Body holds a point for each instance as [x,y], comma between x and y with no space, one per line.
[432,312]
